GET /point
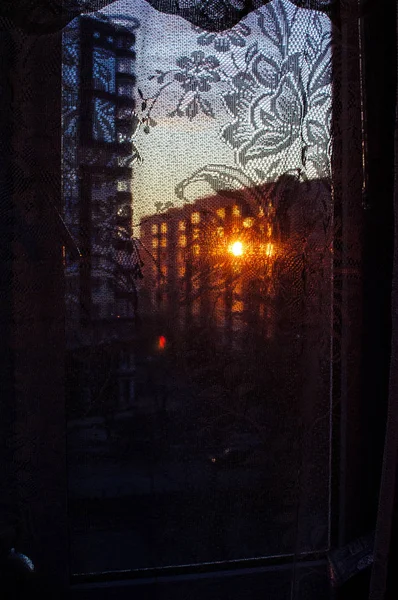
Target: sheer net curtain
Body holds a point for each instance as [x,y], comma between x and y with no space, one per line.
[235,124]
[213,15]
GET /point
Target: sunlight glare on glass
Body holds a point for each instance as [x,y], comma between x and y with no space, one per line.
[269,250]
[237,249]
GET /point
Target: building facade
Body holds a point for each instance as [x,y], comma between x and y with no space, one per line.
[211,263]
[100,271]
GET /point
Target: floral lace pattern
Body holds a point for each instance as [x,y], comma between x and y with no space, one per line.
[225,40]
[276,91]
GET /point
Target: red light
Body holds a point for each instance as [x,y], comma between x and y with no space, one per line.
[161,342]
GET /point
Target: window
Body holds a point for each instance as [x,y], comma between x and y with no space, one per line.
[104,129]
[124,42]
[104,67]
[195,218]
[123,185]
[125,65]
[123,137]
[125,89]
[124,211]
[205,395]
[301,363]
[248,222]
[124,112]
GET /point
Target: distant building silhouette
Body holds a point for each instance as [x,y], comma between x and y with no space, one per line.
[212,262]
[240,262]
[98,76]
[98,90]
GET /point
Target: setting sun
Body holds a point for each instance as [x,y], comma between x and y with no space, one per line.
[237,249]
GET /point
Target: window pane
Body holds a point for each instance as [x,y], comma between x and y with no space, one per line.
[215,279]
[104,70]
[104,128]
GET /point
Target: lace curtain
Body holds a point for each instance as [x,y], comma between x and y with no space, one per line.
[45,16]
[234,126]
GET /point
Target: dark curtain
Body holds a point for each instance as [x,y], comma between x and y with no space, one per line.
[385,554]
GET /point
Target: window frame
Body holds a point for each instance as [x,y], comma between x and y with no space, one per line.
[49,545]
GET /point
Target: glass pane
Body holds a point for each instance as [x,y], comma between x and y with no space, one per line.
[104,70]
[104,128]
[200,314]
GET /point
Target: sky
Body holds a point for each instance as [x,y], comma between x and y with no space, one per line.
[177,147]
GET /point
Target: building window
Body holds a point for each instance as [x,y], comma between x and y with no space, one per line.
[154,229]
[123,185]
[155,243]
[125,89]
[196,249]
[195,234]
[125,65]
[104,67]
[236,211]
[221,213]
[220,231]
[182,241]
[195,218]
[182,226]
[124,42]
[237,306]
[124,112]
[163,242]
[104,127]
[163,228]
[124,211]
[123,138]
[181,271]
